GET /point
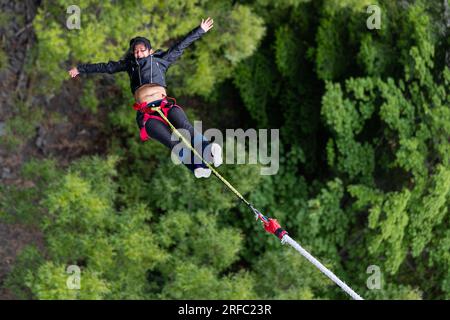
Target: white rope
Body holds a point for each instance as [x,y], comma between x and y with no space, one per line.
[321,267]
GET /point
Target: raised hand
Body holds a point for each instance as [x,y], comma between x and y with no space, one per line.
[74,72]
[207,24]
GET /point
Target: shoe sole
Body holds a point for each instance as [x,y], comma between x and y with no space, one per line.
[202,172]
[216,151]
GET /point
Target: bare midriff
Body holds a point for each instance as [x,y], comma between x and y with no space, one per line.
[149,93]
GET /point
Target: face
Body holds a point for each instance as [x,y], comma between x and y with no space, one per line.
[140,51]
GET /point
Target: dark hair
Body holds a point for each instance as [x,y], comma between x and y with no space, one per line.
[129,55]
[144,41]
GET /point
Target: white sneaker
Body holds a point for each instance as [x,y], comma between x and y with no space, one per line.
[202,172]
[216,152]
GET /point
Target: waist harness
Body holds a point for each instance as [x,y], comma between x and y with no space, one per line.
[144,113]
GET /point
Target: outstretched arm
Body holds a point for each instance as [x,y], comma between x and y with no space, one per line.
[110,67]
[177,50]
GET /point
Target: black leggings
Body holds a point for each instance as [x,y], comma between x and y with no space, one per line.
[161,132]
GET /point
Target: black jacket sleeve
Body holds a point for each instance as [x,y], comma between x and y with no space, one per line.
[176,51]
[110,67]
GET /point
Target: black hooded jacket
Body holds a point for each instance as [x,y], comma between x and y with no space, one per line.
[151,69]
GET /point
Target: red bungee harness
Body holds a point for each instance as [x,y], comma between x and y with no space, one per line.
[145,108]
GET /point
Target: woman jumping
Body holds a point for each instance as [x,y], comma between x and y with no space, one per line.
[146,69]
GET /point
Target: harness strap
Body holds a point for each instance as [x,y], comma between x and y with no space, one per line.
[146,109]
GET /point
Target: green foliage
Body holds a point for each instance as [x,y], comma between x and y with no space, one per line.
[346,119]
[257,85]
[394,292]
[389,218]
[243,29]
[52,50]
[89,100]
[364,156]
[291,277]
[287,52]
[29,259]
[110,26]
[198,234]
[5,19]
[331,51]
[50,283]
[3,60]
[21,204]
[401,221]
[197,282]
[324,224]
[199,252]
[281,4]
[116,249]
[236,34]
[74,206]
[21,125]
[430,211]
[387,144]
